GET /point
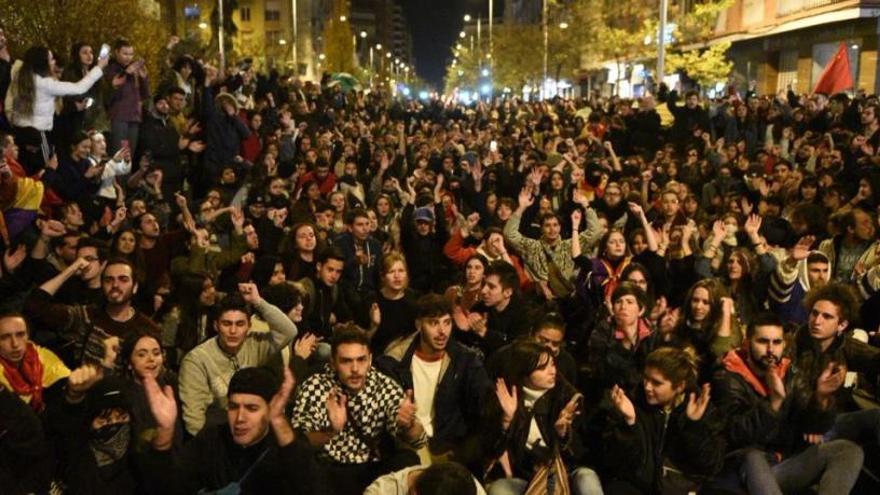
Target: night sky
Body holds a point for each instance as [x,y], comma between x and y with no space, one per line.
[434,25]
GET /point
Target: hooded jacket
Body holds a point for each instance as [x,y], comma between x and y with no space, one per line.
[789,286]
[223,132]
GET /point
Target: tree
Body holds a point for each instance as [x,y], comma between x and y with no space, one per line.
[338,41]
[706,67]
[57,24]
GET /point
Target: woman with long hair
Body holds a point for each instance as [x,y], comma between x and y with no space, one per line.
[144,356]
[84,111]
[669,424]
[33,93]
[302,262]
[531,424]
[708,323]
[126,244]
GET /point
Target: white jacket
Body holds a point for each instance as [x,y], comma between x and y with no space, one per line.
[47,89]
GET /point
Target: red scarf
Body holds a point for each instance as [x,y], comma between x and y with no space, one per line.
[27,379]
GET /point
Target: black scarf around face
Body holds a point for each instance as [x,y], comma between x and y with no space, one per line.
[109,444]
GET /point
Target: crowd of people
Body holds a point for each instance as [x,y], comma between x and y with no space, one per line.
[231,281]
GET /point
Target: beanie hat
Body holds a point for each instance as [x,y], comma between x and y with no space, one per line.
[254,381]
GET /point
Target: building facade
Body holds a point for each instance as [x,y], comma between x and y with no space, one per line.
[782,42]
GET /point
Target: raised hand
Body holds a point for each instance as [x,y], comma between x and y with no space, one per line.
[801,250]
[696,406]
[337,410]
[507,398]
[719,232]
[753,225]
[375,315]
[12,258]
[623,405]
[776,388]
[249,292]
[406,413]
[576,217]
[82,379]
[52,228]
[236,215]
[636,209]
[306,345]
[161,401]
[281,398]
[525,198]
[567,415]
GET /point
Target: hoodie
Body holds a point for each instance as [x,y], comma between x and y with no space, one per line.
[789,286]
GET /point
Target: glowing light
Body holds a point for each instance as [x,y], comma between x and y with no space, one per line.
[423,95]
[282,42]
[203,25]
[563,25]
[467,18]
[363,34]
[321,56]
[342,18]
[484,72]
[486,89]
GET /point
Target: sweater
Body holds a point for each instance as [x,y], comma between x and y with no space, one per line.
[206,371]
[46,90]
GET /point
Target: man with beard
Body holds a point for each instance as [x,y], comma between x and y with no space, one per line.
[160,138]
[447,379]
[349,410]
[83,328]
[768,406]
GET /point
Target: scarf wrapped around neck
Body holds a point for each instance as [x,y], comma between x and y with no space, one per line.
[27,379]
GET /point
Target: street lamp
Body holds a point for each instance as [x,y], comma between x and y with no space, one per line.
[342,18]
[379,46]
[467,18]
[363,35]
[563,25]
[462,35]
[282,41]
[321,56]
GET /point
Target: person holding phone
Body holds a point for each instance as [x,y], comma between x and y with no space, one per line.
[83,111]
[129,89]
[34,91]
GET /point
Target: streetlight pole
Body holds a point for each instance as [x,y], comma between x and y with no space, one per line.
[222,51]
[295,37]
[546,46]
[491,20]
[661,42]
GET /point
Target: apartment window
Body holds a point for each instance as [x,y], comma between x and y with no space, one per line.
[788,61]
[273,11]
[245,13]
[752,12]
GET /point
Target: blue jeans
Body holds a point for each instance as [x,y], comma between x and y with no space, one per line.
[584,481]
[834,465]
[856,426]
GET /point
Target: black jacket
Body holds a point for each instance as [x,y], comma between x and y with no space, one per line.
[212,460]
[749,419]
[223,134]
[638,453]
[461,391]
[25,458]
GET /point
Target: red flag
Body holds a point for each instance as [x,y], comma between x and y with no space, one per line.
[836,77]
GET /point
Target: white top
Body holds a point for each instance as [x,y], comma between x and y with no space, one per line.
[47,89]
[111,170]
[425,376]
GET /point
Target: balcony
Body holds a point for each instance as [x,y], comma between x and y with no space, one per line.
[788,7]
